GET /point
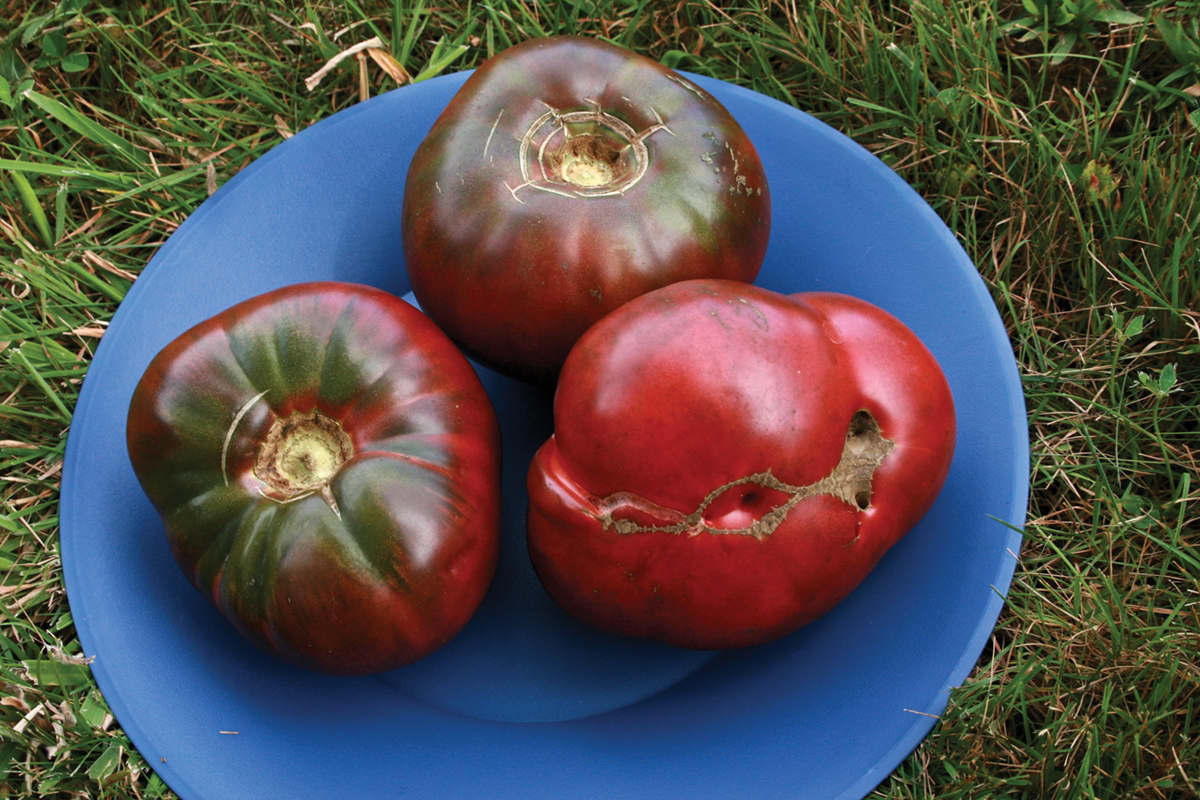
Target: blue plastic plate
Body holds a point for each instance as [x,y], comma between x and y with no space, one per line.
[527,703]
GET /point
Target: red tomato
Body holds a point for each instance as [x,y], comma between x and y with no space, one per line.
[728,463]
[327,467]
[566,177]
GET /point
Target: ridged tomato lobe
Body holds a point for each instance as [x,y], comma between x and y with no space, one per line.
[326,463]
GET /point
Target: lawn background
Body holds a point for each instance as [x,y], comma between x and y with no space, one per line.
[1060,141]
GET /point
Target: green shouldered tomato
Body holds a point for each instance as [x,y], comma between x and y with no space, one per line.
[326,464]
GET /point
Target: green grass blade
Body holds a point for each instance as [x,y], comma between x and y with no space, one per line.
[88,128]
[998,114]
[34,207]
[440,61]
[59,171]
[18,357]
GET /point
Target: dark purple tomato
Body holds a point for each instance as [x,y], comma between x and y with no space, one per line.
[326,464]
[566,177]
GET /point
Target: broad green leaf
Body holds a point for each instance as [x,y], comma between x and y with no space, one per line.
[75,62]
[54,44]
[48,672]
[1161,386]
[155,787]
[12,66]
[1166,379]
[1135,326]
[33,28]
[1066,43]
[107,763]
[1114,17]
[94,709]
[1185,49]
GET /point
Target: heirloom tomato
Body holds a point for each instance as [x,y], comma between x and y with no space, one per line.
[326,464]
[728,463]
[566,177]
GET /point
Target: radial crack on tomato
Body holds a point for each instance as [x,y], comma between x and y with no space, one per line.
[237,418]
[691,87]
[488,142]
[849,481]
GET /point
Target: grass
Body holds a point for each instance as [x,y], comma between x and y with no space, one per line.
[1069,174]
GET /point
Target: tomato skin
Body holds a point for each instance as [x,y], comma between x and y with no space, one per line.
[515,271]
[390,558]
[642,518]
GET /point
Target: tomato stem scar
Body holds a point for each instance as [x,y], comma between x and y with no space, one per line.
[602,157]
[300,455]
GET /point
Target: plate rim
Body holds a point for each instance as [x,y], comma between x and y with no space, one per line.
[69,504]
